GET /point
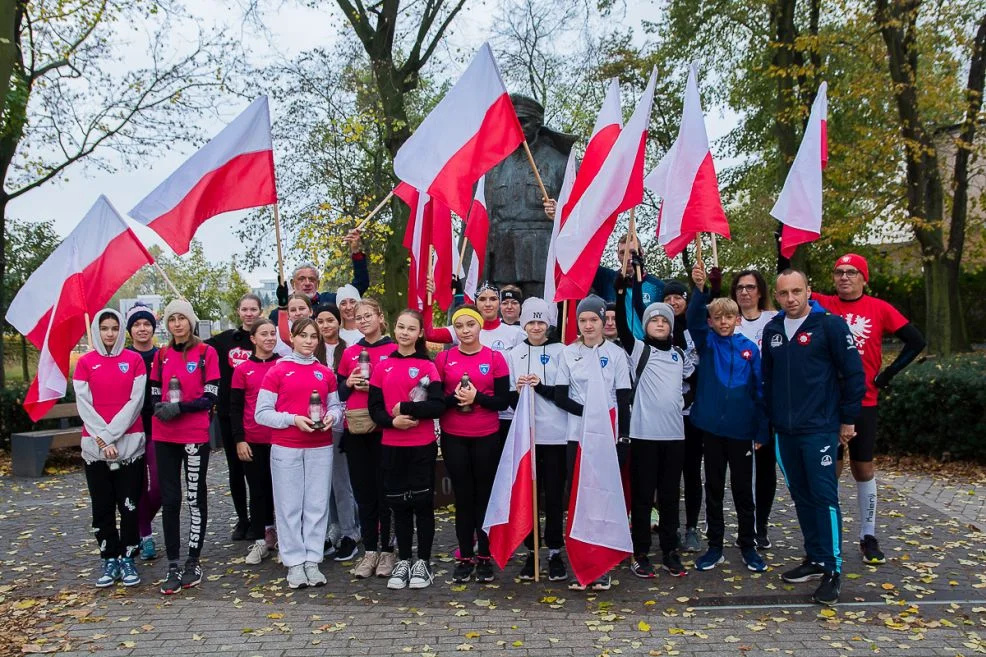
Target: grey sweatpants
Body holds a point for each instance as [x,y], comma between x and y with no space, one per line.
[342,510]
[301,478]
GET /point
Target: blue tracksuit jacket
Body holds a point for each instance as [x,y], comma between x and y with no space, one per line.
[643,294]
[729,400]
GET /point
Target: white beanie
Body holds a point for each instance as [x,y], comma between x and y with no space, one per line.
[180,307]
[534,309]
[347,291]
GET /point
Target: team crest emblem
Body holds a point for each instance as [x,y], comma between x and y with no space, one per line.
[485,368]
[674,357]
[124,367]
[191,367]
[318,375]
[776,340]
[646,298]
[412,372]
[497,346]
[746,354]
[804,339]
[545,359]
[604,360]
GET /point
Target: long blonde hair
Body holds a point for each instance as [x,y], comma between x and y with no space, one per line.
[375,306]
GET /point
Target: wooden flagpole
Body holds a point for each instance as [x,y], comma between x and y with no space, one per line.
[88,328]
[534,487]
[698,250]
[715,251]
[168,281]
[564,320]
[431,273]
[375,210]
[537,174]
[462,255]
[277,234]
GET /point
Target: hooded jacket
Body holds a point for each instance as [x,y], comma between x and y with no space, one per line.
[109,394]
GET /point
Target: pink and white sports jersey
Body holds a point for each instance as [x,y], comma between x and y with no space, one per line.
[397,377]
[350,363]
[483,367]
[292,383]
[191,427]
[248,377]
[111,380]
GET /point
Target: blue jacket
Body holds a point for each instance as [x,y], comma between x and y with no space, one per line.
[729,400]
[643,294]
[815,382]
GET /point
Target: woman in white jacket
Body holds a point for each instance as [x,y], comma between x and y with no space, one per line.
[109,393]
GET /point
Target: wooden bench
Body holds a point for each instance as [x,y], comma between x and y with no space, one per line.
[29,449]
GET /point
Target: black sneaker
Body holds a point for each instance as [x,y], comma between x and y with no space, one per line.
[191,574]
[240,530]
[484,569]
[763,541]
[347,549]
[527,572]
[172,581]
[672,563]
[328,549]
[642,568]
[556,569]
[463,570]
[805,572]
[870,547]
[828,591]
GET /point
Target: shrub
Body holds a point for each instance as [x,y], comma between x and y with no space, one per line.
[13,417]
[935,407]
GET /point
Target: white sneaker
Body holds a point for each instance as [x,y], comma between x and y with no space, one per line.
[258,552]
[421,576]
[314,575]
[367,567]
[400,575]
[297,579]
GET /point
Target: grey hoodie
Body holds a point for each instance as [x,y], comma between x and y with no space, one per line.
[130,445]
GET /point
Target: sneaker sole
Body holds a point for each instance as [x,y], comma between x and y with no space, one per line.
[416,585]
[398,586]
[600,587]
[348,557]
[170,591]
[105,586]
[462,580]
[191,585]
[756,569]
[826,603]
[801,580]
[709,567]
[526,578]
[485,580]
[296,587]
[317,584]
[131,583]
[558,578]
[875,561]
[643,575]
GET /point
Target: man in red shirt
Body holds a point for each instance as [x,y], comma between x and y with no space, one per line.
[869,319]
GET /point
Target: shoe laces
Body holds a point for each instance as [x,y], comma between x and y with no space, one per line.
[128,567]
[110,567]
[419,569]
[402,569]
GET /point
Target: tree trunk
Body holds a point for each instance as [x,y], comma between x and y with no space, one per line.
[3,288]
[8,46]
[24,368]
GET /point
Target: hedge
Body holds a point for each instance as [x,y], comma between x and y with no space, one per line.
[13,417]
[937,407]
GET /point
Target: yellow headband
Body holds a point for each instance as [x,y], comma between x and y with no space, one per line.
[469,312]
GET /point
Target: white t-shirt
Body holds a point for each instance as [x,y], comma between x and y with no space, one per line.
[550,422]
[753,328]
[573,373]
[658,402]
[350,336]
[791,326]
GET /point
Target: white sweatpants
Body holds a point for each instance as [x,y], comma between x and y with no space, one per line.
[301,478]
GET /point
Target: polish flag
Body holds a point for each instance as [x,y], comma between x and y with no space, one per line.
[510,512]
[443,266]
[417,240]
[80,276]
[685,180]
[470,131]
[478,224]
[598,534]
[234,171]
[616,187]
[552,271]
[799,206]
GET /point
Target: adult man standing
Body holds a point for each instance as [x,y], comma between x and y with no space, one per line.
[869,319]
[814,387]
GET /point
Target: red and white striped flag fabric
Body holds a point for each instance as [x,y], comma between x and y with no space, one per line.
[80,276]
[616,187]
[471,282]
[685,180]
[552,271]
[510,512]
[470,131]
[478,224]
[597,537]
[799,207]
[234,171]
[443,238]
[417,240]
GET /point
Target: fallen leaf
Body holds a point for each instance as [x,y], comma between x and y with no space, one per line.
[643,627]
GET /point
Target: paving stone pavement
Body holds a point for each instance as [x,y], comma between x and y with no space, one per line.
[929,599]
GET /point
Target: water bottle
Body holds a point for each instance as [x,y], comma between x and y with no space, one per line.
[364,364]
[465,383]
[315,410]
[174,390]
[420,391]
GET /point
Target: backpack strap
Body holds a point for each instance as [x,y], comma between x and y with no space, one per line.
[641,364]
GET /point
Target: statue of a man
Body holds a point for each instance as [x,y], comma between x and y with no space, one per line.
[519,229]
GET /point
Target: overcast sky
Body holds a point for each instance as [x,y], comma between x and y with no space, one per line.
[292,30]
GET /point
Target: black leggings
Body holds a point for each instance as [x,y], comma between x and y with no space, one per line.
[237,471]
[112,492]
[723,453]
[261,490]
[409,487]
[364,460]
[655,465]
[471,464]
[765,488]
[170,459]
[692,473]
[552,471]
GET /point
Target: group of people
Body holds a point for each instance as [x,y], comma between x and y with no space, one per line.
[327,413]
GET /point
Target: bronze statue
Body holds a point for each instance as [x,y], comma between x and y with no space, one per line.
[519,229]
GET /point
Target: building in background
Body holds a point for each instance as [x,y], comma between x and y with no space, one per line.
[267,291]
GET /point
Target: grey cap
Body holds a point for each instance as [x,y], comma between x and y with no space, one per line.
[534,309]
[592,304]
[659,309]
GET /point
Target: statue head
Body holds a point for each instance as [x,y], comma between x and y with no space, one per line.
[531,115]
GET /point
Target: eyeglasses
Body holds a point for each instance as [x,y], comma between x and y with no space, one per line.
[846,273]
[745,288]
[363,318]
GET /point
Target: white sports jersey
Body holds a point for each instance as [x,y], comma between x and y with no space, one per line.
[574,373]
[550,422]
[658,402]
[753,329]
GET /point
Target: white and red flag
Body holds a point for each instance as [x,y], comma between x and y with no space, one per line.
[79,277]
[470,131]
[616,186]
[597,537]
[552,272]
[685,180]
[478,224]
[417,240]
[234,171]
[799,207]
[510,512]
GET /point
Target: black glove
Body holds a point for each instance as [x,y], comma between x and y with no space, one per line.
[621,283]
[282,293]
[167,410]
[637,262]
[458,287]
[715,281]
[881,380]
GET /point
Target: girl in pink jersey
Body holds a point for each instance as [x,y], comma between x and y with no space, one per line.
[299,307]
[362,439]
[184,388]
[298,394]
[405,398]
[109,393]
[476,383]
[253,440]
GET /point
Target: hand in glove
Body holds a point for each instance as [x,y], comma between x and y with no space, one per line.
[715,281]
[881,380]
[621,283]
[282,293]
[637,262]
[458,286]
[167,410]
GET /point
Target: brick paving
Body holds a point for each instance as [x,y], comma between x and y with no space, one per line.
[929,599]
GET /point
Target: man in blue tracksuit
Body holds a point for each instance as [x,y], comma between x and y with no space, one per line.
[813,386]
[648,290]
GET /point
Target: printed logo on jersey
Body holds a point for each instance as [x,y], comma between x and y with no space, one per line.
[318,375]
[484,368]
[497,346]
[646,298]
[98,365]
[411,372]
[237,356]
[860,327]
[124,367]
[674,357]
[826,460]
[383,358]
[804,339]
[545,359]
[746,354]
[604,360]
[776,340]
[191,366]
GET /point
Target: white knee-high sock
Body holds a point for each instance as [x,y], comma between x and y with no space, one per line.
[866,497]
